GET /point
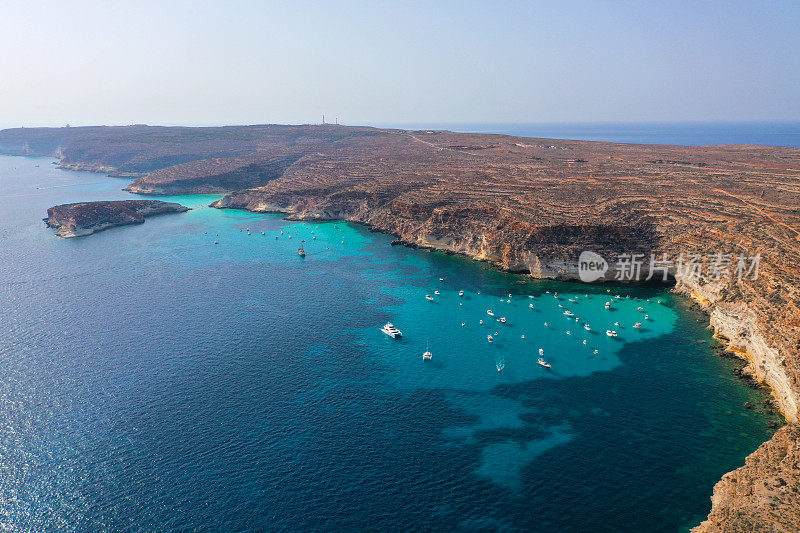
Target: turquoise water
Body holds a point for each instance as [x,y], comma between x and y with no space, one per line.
[154,380]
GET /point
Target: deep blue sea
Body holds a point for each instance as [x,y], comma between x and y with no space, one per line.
[682,133]
[152,380]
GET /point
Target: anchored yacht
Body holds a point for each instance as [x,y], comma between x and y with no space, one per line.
[392,331]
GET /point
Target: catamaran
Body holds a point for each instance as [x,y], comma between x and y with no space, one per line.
[392,331]
[427,355]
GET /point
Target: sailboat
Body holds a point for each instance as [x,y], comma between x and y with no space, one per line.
[300,251]
[427,355]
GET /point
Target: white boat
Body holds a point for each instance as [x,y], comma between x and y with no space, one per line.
[569,313]
[502,319]
[584,341]
[509,296]
[429,297]
[461,293]
[436,293]
[647,317]
[522,336]
[596,352]
[640,308]
[530,305]
[463,324]
[481,321]
[392,331]
[608,305]
[616,323]
[490,312]
[569,332]
[441,279]
[611,333]
[543,363]
[490,338]
[571,299]
[587,327]
[427,355]
[637,325]
[500,366]
[541,351]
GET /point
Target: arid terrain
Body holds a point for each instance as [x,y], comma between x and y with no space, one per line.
[530,206]
[85,218]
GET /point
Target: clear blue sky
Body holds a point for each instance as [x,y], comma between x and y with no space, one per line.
[119,62]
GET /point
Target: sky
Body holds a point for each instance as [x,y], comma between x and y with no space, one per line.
[396,62]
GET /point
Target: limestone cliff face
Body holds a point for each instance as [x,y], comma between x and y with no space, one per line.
[764,494]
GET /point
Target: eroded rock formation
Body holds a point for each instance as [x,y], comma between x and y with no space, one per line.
[85,218]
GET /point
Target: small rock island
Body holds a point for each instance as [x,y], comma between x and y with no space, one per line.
[84,218]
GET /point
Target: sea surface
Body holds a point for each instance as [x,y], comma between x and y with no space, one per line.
[681,133]
[153,380]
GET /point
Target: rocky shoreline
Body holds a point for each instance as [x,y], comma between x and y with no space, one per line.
[529,206]
[735,325]
[85,218]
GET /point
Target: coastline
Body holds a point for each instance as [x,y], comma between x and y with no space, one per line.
[735,326]
[525,204]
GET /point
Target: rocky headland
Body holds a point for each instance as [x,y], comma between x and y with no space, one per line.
[84,218]
[529,206]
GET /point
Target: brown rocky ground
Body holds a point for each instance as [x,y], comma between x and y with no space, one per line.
[530,206]
[85,218]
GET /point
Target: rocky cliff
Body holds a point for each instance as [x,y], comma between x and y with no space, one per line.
[85,218]
[529,206]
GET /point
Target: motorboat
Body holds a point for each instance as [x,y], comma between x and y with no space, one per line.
[461,293]
[541,351]
[587,327]
[490,338]
[429,297]
[637,325]
[569,313]
[502,319]
[530,305]
[392,331]
[608,305]
[611,333]
[490,312]
[436,293]
[543,363]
